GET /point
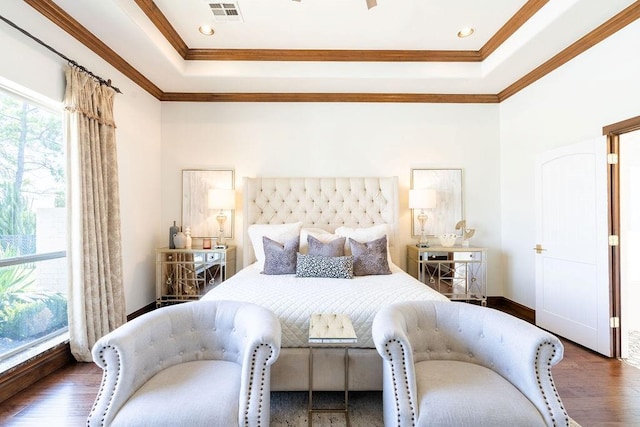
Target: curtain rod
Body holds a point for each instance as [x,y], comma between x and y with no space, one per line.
[70,61]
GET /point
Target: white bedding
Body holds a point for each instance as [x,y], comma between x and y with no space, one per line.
[293,299]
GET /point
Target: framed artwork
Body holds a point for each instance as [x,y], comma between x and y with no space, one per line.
[448,210]
[195,210]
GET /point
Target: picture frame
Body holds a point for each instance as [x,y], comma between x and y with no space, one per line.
[449,208]
[196,214]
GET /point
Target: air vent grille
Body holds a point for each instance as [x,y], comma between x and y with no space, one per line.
[226,12]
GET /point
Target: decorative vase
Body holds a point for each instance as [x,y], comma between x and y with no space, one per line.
[172,232]
[188,240]
[180,240]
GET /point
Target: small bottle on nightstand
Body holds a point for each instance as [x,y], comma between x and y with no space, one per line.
[189,240]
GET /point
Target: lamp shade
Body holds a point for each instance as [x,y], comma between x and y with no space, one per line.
[222,199]
[422,198]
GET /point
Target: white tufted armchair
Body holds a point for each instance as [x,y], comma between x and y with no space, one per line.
[204,363]
[457,364]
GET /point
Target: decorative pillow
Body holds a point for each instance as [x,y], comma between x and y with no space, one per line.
[278,232]
[319,233]
[370,258]
[323,266]
[333,248]
[364,234]
[279,258]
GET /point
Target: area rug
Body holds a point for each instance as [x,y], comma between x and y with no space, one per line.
[289,409]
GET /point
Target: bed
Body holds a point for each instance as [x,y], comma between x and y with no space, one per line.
[292,209]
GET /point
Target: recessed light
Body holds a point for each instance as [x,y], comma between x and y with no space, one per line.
[465,32]
[206,30]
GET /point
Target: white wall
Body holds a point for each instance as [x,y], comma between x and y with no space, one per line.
[571,104]
[137,116]
[345,139]
[495,145]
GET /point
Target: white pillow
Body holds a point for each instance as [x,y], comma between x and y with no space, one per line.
[364,235]
[281,233]
[323,235]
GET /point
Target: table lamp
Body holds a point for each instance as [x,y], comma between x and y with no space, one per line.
[222,199]
[422,198]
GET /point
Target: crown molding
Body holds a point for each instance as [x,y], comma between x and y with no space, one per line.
[613,25]
[166,29]
[63,20]
[331,97]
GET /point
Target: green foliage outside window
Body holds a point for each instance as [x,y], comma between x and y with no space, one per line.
[26,312]
[32,176]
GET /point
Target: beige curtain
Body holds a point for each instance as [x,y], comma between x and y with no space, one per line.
[96,295]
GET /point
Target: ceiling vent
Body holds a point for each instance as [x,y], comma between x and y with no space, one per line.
[226,12]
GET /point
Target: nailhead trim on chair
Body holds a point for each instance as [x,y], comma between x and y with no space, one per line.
[395,381]
[263,371]
[555,391]
[101,390]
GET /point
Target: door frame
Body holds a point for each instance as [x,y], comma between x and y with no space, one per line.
[613,132]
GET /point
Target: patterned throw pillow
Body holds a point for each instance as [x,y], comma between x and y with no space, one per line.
[333,248]
[280,258]
[324,266]
[370,258]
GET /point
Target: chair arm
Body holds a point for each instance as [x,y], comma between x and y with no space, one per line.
[389,331]
[524,354]
[262,334]
[126,365]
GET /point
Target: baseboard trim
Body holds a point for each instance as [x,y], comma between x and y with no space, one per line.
[29,372]
[146,309]
[513,308]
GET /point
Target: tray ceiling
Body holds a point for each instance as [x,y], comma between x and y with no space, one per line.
[335,47]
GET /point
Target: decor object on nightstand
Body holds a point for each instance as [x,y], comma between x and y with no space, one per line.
[467,233]
[422,198]
[180,240]
[448,239]
[222,199]
[173,230]
[206,243]
[189,240]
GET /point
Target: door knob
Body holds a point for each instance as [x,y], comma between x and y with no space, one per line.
[539,249]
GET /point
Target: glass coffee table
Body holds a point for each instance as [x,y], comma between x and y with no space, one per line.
[330,330]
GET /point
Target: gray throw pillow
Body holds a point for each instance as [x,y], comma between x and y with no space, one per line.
[333,248]
[324,266]
[370,258]
[280,258]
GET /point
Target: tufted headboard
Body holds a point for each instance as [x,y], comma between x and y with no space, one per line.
[326,203]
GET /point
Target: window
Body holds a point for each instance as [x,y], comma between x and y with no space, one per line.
[33,226]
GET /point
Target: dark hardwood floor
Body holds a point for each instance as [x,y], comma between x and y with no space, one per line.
[596,391]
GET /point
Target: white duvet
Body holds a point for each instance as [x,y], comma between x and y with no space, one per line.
[293,299]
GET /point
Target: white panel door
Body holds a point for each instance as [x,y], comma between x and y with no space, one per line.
[572,279]
[629,237]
